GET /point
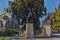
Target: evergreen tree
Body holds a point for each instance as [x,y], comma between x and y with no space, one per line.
[21,9]
[56,19]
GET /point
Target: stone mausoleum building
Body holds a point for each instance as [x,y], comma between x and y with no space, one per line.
[6,19]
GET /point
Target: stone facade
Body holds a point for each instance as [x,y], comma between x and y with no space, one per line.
[47,26]
[5,17]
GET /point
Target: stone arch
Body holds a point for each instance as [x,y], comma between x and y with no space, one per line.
[6,14]
[11,24]
[5,17]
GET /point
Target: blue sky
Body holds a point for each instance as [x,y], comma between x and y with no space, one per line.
[50,4]
[3,4]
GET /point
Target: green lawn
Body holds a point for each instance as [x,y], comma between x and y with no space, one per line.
[5,37]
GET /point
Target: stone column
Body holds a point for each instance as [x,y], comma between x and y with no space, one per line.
[4,23]
[29,30]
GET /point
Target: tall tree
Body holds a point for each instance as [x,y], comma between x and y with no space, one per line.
[22,9]
[56,18]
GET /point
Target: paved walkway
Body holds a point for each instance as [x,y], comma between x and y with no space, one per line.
[39,39]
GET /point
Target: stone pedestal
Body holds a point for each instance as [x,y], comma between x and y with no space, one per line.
[47,30]
[29,30]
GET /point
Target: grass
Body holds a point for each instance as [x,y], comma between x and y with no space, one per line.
[5,37]
[12,29]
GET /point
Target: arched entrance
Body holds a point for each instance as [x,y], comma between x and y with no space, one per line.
[1,24]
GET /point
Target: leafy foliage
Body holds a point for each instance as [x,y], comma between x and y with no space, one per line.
[21,9]
[56,18]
